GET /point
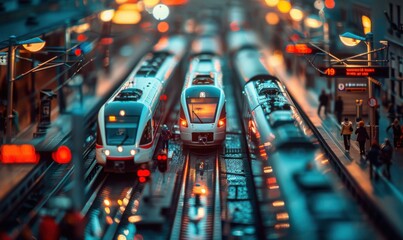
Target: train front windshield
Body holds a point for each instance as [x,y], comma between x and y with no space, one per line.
[202,104]
[121,122]
[122,131]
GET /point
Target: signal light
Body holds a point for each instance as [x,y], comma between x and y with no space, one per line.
[164,97]
[143,174]
[162,162]
[300,48]
[12,153]
[62,155]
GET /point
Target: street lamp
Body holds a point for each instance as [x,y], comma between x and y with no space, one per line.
[350,39]
[34,45]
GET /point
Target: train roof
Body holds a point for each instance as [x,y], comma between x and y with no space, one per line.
[207,45]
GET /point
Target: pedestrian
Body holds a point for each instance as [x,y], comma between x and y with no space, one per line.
[362,136]
[386,157]
[165,135]
[373,158]
[397,132]
[338,108]
[323,101]
[16,121]
[346,131]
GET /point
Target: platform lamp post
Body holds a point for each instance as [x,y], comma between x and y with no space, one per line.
[32,45]
[350,39]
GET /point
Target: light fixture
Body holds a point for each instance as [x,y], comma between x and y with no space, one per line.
[33,44]
[366,23]
[313,21]
[350,39]
[107,15]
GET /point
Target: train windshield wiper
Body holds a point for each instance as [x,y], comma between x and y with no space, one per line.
[197,116]
[124,139]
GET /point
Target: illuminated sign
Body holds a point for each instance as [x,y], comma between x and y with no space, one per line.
[352,72]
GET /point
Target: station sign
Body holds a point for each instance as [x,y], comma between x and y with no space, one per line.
[353,72]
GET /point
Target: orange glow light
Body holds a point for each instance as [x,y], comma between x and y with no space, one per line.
[271,3]
[221,122]
[272,18]
[18,154]
[163,27]
[184,123]
[174,2]
[126,16]
[112,118]
[330,4]
[284,6]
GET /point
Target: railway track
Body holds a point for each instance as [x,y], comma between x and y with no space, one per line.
[197,214]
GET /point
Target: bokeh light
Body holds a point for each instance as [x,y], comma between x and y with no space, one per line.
[272,18]
[271,3]
[296,14]
[160,12]
[163,27]
[284,6]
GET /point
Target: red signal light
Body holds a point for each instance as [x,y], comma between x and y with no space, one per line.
[62,155]
[78,52]
[13,153]
[164,97]
[143,175]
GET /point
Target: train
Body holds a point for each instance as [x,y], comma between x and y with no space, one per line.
[299,194]
[129,121]
[202,119]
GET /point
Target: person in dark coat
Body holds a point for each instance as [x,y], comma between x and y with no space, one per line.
[362,136]
[373,158]
[397,132]
[165,135]
[323,102]
[338,108]
[386,157]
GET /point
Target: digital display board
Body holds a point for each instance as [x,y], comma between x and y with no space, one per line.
[352,72]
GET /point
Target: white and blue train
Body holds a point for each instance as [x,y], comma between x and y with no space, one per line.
[129,121]
[202,105]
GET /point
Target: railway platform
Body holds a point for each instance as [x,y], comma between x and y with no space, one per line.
[386,195]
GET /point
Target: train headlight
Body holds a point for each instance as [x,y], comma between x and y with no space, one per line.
[184,123]
[221,122]
[133,152]
[107,152]
[120,149]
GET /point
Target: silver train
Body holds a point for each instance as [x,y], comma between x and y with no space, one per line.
[129,121]
[202,105]
[298,193]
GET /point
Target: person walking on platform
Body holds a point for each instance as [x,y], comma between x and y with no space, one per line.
[338,108]
[346,131]
[386,157]
[362,136]
[165,135]
[373,158]
[323,102]
[397,132]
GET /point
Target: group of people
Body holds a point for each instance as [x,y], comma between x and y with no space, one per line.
[378,155]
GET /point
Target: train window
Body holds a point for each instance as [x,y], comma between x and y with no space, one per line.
[202,110]
[147,134]
[122,132]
